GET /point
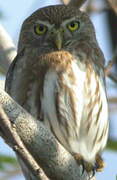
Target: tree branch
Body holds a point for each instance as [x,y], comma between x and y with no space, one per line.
[56,162]
[7,50]
[8,132]
[76,3]
[113,5]
[108,68]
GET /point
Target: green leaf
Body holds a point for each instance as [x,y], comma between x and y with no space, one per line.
[7,160]
[2,71]
[112,145]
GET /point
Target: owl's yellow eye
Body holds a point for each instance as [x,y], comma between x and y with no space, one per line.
[40,29]
[73,26]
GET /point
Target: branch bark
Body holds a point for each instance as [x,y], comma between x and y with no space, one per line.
[56,162]
[7,50]
[76,3]
[113,5]
[9,133]
[108,68]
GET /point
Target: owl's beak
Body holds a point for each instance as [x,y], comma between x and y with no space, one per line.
[58,39]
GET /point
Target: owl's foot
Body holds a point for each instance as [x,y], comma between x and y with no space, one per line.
[99,163]
[87,166]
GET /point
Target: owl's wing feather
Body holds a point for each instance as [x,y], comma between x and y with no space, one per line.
[10,73]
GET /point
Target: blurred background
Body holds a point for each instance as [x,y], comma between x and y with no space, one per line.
[12,14]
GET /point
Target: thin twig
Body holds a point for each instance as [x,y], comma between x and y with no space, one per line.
[108,68]
[111,63]
[113,77]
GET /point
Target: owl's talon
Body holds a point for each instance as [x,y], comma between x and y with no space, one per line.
[88,167]
[83,169]
[99,163]
[93,173]
[79,160]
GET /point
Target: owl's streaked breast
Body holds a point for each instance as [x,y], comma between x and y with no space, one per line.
[61,105]
[70,108]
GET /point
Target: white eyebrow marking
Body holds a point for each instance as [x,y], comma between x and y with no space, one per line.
[46,23]
[68,20]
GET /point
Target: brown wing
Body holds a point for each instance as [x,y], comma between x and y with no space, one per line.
[9,76]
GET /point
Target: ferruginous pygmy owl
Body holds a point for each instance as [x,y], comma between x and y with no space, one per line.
[58,77]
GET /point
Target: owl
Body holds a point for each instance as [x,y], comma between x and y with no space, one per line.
[58,77]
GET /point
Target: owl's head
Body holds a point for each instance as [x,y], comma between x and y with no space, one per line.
[56,27]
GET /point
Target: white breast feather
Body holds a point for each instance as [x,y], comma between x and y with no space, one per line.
[51,86]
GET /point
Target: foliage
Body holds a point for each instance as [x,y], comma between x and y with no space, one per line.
[7,160]
[112,145]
